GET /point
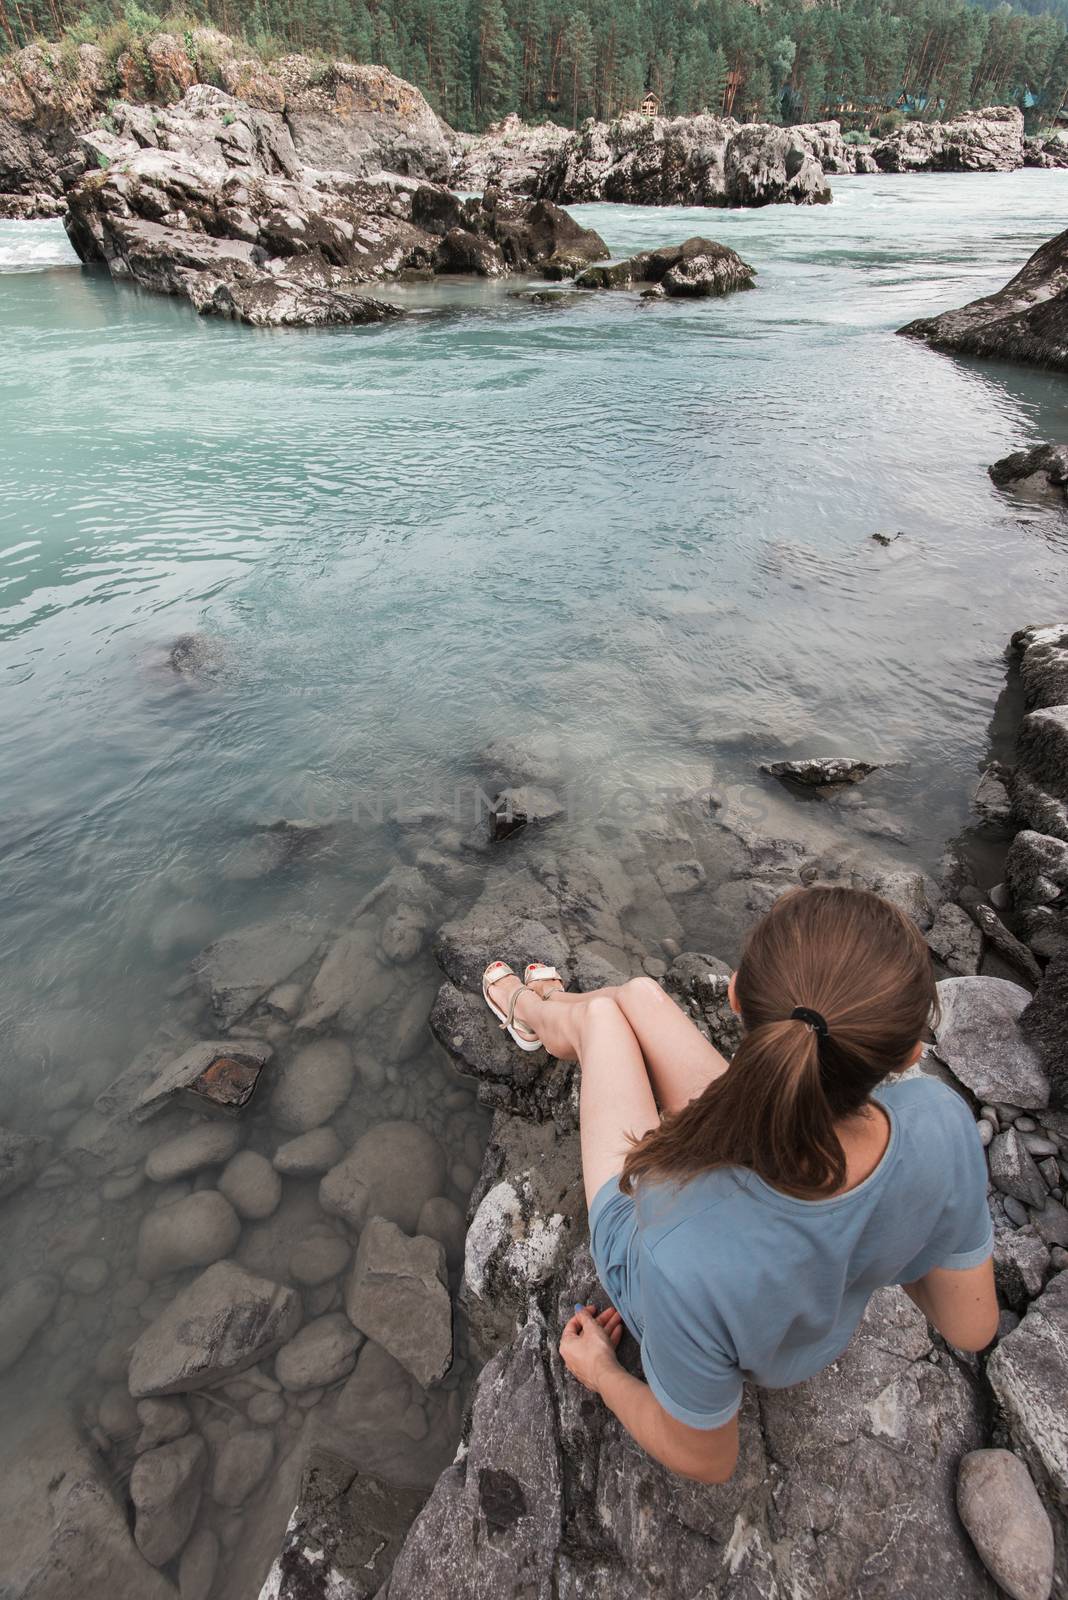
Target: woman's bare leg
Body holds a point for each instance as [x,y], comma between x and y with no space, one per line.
[680,1060]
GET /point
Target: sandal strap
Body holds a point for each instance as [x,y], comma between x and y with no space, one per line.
[523,1027]
[538,972]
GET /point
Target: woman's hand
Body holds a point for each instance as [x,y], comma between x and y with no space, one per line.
[589,1343]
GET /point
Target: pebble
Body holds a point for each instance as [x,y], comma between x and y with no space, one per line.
[309,1155]
[162,1421]
[117,1414]
[1007,1113]
[654,967]
[122,1188]
[319,1260]
[1038,1146]
[209,1145]
[1016,1211]
[1059,1257]
[1051,1172]
[985,1130]
[193,1232]
[1026,1125]
[87,1275]
[266,1409]
[320,1354]
[251,1185]
[990,1115]
[463,1177]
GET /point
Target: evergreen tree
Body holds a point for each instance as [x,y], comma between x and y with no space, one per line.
[494,63]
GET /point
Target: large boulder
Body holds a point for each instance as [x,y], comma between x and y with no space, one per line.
[361,120]
[509,156]
[979,1038]
[1042,655]
[391,1172]
[1025,321]
[397,1294]
[769,166]
[1040,473]
[224,1321]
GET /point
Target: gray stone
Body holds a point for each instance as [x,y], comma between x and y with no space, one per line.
[309,1155]
[193,1232]
[680,877]
[1051,1221]
[1042,749]
[314,1084]
[985,1130]
[161,1422]
[397,1295]
[319,1259]
[1013,1171]
[235,972]
[1045,1022]
[319,1354]
[1037,868]
[404,933]
[165,1487]
[221,1323]
[392,1171]
[1044,649]
[117,1414]
[241,1465]
[1036,1145]
[266,1409]
[210,1144]
[251,1185]
[1021,1263]
[956,940]
[1007,1522]
[183,1072]
[978,1037]
[21,1157]
[340,978]
[821,771]
[991,799]
[1028,1373]
[65,1530]
[343,1535]
[24,1308]
[1016,1211]
[443,1220]
[198,1565]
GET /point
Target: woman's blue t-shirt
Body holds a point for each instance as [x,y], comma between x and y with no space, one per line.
[726,1278]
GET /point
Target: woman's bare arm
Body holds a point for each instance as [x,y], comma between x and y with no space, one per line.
[962,1305]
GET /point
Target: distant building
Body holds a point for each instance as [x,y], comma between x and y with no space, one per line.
[650,106]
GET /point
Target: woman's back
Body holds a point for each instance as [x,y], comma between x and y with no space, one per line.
[730,1277]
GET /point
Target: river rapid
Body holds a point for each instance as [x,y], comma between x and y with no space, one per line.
[644,528]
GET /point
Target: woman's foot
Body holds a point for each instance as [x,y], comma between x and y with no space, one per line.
[543,980]
[503,993]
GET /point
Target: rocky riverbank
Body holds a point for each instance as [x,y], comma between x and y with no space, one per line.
[716,161]
[1025,321]
[286,1308]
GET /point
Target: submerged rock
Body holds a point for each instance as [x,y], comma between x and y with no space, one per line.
[221,1323]
[321,1353]
[817,771]
[398,1296]
[193,1232]
[24,1308]
[237,971]
[391,1172]
[1025,321]
[313,1085]
[165,1488]
[21,1156]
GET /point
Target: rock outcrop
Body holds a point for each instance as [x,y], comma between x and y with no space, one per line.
[1051,152]
[1025,321]
[349,118]
[1040,473]
[991,140]
[707,161]
[696,268]
[509,156]
[210,200]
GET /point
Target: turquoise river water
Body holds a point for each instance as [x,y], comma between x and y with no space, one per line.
[647,526]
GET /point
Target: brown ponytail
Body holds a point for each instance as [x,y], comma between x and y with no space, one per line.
[857,962]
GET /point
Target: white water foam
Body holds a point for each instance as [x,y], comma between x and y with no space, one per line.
[34,246]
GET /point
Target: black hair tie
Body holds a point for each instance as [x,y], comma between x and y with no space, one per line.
[815,1021]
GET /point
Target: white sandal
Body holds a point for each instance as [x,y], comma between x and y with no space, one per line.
[538,972]
[526,1039]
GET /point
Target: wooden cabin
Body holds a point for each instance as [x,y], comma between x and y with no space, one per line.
[650,106]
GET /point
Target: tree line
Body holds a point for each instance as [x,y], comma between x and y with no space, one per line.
[564,60]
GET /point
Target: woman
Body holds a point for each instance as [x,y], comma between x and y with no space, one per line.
[740,1229]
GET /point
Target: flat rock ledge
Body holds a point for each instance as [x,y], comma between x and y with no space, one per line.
[210,200]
